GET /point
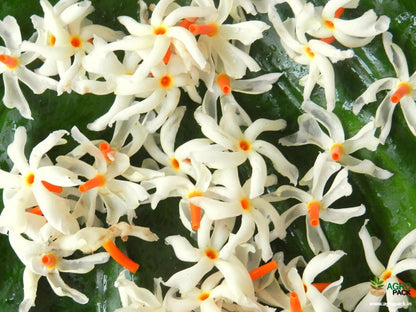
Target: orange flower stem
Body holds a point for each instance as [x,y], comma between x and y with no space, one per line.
[120,257]
[263,270]
[195,216]
[51,187]
[294,302]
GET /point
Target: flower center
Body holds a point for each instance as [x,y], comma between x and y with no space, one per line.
[245,203]
[210,29]
[336,151]
[309,53]
[403,89]
[386,275]
[97,181]
[76,41]
[313,210]
[52,40]
[30,178]
[49,261]
[329,24]
[166,81]
[211,253]
[11,62]
[244,145]
[203,296]
[224,83]
[160,30]
[294,302]
[175,163]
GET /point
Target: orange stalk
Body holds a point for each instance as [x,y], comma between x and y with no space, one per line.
[263,270]
[328,40]
[51,187]
[11,62]
[294,302]
[313,211]
[106,149]
[321,286]
[187,22]
[36,210]
[402,90]
[120,257]
[97,181]
[166,58]
[339,12]
[210,29]
[195,216]
[224,83]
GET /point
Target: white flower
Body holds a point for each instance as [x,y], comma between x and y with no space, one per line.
[161,92]
[401,90]
[356,32]
[244,146]
[134,298]
[318,55]
[208,255]
[304,294]
[396,264]
[102,191]
[41,259]
[216,37]
[175,161]
[333,141]
[315,204]
[13,67]
[37,182]
[224,85]
[153,40]
[63,34]
[232,200]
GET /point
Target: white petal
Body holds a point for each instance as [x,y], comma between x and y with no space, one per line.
[13,96]
[183,249]
[186,279]
[84,264]
[258,174]
[396,56]
[384,116]
[245,32]
[293,213]
[404,243]
[408,107]
[316,238]
[364,166]
[341,215]
[53,139]
[370,95]
[62,289]
[16,151]
[260,125]
[280,163]
[319,301]
[373,263]
[30,285]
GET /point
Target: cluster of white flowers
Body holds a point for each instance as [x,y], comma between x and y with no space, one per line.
[84,200]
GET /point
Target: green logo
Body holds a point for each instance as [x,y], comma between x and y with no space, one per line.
[377,287]
[376,283]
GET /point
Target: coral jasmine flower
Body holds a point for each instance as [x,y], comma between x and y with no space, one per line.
[43,260]
[315,204]
[401,91]
[256,213]
[215,37]
[64,33]
[116,197]
[37,182]
[13,68]
[334,143]
[318,55]
[304,294]
[396,264]
[207,256]
[356,32]
[152,40]
[244,146]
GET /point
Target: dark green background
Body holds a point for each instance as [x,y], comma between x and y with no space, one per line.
[390,204]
